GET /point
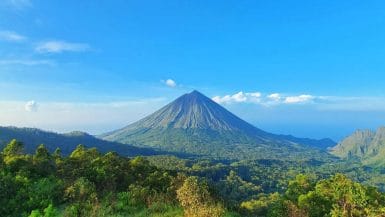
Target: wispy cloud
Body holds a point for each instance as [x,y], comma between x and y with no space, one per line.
[275,97]
[61,46]
[351,103]
[299,99]
[27,62]
[11,36]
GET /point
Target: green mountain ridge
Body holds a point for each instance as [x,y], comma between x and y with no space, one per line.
[32,138]
[365,145]
[195,124]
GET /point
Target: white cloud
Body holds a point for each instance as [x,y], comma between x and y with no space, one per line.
[254,97]
[239,97]
[61,46]
[267,100]
[274,96]
[170,83]
[11,36]
[26,62]
[298,99]
[220,100]
[31,106]
[255,94]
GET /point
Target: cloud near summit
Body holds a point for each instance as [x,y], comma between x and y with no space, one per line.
[239,98]
[259,98]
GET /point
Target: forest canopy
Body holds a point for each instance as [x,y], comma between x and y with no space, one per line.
[88,183]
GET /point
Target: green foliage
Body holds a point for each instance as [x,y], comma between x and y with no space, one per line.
[340,196]
[262,205]
[50,211]
[233,187]
[196,200]
[89,183]
[44,192]
[300,185]
[13,148]
[81,190]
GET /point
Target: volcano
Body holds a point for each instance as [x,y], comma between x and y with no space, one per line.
[195,124]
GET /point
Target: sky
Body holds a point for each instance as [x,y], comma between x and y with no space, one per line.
[307,68]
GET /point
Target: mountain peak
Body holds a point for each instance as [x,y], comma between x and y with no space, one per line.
[196,93]
[194,97]
[191,111]
[195,124]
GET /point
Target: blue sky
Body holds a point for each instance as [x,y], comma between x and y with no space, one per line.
[308,68]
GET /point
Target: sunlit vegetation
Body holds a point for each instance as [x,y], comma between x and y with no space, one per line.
[89,183]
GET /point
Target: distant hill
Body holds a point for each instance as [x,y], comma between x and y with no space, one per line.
[323,144]
[365,145]
[32,137]
[195,124]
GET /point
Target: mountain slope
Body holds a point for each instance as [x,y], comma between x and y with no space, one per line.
[365,145]
[32,137]
[355,145]
[195,124]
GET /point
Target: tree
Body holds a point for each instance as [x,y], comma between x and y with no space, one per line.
[300,185]
[13,148]
[81,190]
[80,163]
[42,153]
[13,157]
[196,200]
[43,162]
[234,189]
[9,187]
[348,197]
[43,192]
[50,211]
[83,196]
[57,153]
[340,196]
[261,206]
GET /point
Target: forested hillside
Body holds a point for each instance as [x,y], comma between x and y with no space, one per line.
[67,142]
[88,183]
[365,145]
